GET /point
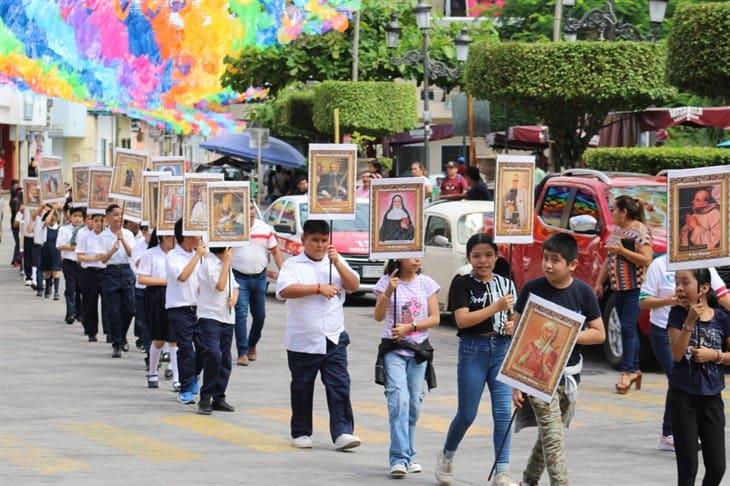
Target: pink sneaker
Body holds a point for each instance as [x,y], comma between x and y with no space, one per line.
[666,443]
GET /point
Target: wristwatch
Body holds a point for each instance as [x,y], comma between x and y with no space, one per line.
[685,327]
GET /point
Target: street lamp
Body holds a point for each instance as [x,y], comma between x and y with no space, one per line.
[432,69]
[604,21]
[657,10]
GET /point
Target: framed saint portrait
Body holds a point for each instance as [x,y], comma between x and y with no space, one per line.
[31,192]
[170,204]
[100,179]
[195,212]
[698,210]
[127,174]
[514,199]
[228,213]
[541,346]
[332,170]
[396,218]
[174,166]
[50,182]
[80,185]
[132,211]
[50,162]
[150,197]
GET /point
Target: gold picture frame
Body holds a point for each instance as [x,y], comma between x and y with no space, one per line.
[127,178]
[50,183]
[170,204]
[80,185]
[100,179]
[174,166]
[195,212]
[396,218]
[31,193]
[332,170]
[514,208]
[229,213]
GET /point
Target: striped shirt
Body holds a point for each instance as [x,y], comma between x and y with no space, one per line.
[622,273]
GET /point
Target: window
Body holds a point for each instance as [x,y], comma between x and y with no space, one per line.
[289,216]
[273,215]
[553,205]
[360,223]
[654,199]
[585,203]
[472,223]
[438,226]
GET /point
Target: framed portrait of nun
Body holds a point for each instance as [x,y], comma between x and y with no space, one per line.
[396,218]
[127,174]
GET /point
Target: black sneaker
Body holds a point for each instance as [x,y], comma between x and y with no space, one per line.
[139,345]
[39,293]
[125,346]
[70,319]
[152,381]
[222,406]
[116,351]
[168,373]
[56,297]
[204,407]
[92,339]
[108,338]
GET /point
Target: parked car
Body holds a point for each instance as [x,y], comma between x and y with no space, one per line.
[350,237]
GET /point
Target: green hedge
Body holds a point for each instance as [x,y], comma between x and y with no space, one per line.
[294,109]
[372,107]
[699,49]
[652,160]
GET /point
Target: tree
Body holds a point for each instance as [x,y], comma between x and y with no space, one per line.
[570,87]
[699,50]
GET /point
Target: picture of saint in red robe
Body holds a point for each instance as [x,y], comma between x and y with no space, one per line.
[539,357]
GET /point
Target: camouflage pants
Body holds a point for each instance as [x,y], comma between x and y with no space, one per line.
[549,449]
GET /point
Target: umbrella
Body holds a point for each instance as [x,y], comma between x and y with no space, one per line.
[725,144]
[237,145]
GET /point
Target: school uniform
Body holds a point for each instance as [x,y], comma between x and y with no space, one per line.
[316,341]
[216,321]
[140,325]
[181,299]
[118,286]
[27,231]
[39,238]
[152,264]
[71,270]
[89,242]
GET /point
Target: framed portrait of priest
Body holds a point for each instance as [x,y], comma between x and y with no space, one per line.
[127,174]
[99,183]
[513,199]
[229,204]
[332,170]
[170,205]
[698,210]
[195,212]
[31,192]
[50,182]
[396,218]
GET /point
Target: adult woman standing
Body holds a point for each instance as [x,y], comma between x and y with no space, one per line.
[629,253]
[418,170]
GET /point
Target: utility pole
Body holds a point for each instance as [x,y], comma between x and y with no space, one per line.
[557,20]
[356,46]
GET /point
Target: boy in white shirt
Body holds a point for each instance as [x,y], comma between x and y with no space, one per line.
[66,243]
[90,251]
[216,320]
[315,337]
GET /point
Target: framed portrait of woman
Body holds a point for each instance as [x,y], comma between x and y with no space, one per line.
[100,178]
[170,205]
[174,166]
[150,197]
[31,192]
[513,199]
[195,212]
[541,346]
[229,206]
[127,174]
[332,168]
[50,182]
[396,218]
[80,185]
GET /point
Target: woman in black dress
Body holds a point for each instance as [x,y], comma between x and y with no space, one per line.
[397,224]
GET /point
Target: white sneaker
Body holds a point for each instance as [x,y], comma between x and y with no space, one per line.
[398,471]
[503,479]
[347,441]
[444,469]
[175,386]
[666,443]
[28,282]
[303,442]
[414,467]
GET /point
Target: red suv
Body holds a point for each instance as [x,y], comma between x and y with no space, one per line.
[577,201]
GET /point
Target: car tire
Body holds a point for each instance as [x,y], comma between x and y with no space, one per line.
[612,346]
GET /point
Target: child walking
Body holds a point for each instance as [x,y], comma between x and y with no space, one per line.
[315,338]
[407,302]
[50,255]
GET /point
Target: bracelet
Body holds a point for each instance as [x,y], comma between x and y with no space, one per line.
[720,357]
[685,327]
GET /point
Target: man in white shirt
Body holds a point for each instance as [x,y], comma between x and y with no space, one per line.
[315,337]
[216,319]
[117,288]
[90,250]
[249,269]
[66,244]
[181,300]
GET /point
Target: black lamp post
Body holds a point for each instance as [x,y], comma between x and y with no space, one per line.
[604,21]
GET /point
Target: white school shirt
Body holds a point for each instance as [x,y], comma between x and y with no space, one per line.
[660,283]
[137,251]
[180,294]
[65,233]
[26,220]
[253,256]
[39,231]
[311,320]
[90,243]
[152,263]
[120,256]
[213,303]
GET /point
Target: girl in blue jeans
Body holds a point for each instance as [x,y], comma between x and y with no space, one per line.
[481,302]
[407,302]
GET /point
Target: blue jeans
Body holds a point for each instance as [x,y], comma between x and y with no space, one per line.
[251,294]
[660,344]
[627,307]
[480,358]
[404,379]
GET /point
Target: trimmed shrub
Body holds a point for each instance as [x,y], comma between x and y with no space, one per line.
[294,109]
[655,159]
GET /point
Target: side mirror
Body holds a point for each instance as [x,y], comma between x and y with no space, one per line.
[284,228]
[584,223]
[441,240]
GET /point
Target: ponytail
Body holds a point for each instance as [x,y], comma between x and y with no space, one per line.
[634,208]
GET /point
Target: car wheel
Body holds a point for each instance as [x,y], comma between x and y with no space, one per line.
[612,347]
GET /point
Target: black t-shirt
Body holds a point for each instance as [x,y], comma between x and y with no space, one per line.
[469,291]
[694,378]
[578,297]
[480,192]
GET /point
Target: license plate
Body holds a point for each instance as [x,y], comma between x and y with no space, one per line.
[372,271]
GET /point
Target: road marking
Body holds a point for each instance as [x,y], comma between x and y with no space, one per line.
[603,408]
[132,443]
[228,432]
[42,461]
[283,415]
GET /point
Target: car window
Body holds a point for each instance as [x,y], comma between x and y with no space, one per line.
[553,205]
[360,223]
[289,216]
[273,215]
[585,203]
[438,226]
[472,223]
[654,199]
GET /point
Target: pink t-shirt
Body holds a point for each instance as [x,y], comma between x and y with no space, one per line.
[412,305]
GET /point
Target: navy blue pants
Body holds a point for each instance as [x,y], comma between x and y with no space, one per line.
[333,368]
[217,337]
[72,290]
[91,288]
[37,249]
[117,292]
[28,256]
[141,330]
[189,340]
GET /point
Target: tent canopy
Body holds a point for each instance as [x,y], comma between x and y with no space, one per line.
[237,145]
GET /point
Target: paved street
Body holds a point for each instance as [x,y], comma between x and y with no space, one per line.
[72,415]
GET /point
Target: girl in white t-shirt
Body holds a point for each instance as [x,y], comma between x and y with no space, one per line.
[407,302]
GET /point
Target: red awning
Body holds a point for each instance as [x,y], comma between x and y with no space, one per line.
[656,118]
[522,137]
[438,132]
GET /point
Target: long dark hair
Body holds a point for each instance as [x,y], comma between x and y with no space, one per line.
[703,276]
[479,239]
[394,264]
[634,207]
[154,240]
